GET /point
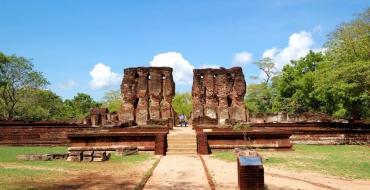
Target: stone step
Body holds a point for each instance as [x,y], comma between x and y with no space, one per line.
[185,141]
[181,153]
[193,139]
[182,150]
[176,146]
[181,142]
[180,137]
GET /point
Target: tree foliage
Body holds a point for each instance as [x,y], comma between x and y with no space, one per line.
[350,42]
[295,85]
[79,106]
[259,96]
[17,79]
[336,82]
[112,100]
[182,104]
[41,105]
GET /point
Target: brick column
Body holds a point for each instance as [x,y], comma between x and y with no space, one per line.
[160,144]
[202,143]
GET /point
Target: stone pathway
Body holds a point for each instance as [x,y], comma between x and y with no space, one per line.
[182,168]
[178,172]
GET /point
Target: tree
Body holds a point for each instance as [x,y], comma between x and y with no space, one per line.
[344,88]
[295,85]
[182,104]
[267,66]
[17,78]
[80,105]
[41,105]
[112,100]
[350,42]
[344,77]
[259,96]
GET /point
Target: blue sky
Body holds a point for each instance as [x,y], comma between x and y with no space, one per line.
[83,46]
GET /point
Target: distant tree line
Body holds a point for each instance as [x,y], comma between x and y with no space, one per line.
[335,81]
[23,95]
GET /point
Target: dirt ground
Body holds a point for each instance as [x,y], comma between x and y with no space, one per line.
[87,180]
[178,172]
[224,175]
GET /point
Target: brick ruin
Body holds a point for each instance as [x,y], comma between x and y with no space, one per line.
[99,116]
[147,96]
[218,96]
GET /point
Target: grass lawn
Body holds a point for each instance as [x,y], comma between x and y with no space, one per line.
[348,161]
[20,174]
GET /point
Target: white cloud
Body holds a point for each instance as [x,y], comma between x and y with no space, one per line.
[242,58]
[204,66]
[182,69]
[68,85]
[299,46]
[103,77]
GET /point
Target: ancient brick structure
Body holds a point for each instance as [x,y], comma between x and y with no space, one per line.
[99,116]
[218,96]
[147,95]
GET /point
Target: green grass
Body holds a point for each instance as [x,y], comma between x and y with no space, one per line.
[8,153]
[348,161]
[28,174]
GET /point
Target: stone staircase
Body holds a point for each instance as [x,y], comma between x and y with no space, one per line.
[181,141]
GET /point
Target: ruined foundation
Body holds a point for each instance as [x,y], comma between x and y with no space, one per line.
[99,116]
[218,96]
[147,96]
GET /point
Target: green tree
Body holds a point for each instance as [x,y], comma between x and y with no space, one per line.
[295,85]
[41,105]
[267,66]
[182,104]
[350,42]
[344,77]
[17,78]
[112,100]
[80,105]
[344,89]
[259,96]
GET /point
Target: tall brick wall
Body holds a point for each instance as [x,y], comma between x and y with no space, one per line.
[218,96]
[147,95]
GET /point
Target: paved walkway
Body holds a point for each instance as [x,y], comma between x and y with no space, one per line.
[178,171]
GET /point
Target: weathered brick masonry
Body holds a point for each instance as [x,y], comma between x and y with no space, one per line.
[269,134]
[143,140]
[218,96]
[49,133]
[147,95]
[228,139]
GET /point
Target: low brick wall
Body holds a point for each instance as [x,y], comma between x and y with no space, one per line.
[155,141]
[263,139]
[312,133]
[36,134]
